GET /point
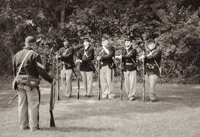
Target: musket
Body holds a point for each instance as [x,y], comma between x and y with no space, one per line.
[121,87]
[136,67]
[52,98]
[99,85]
[143,93]
[77,78]
[99,82]
[13,99]
[58,79]
[78,83]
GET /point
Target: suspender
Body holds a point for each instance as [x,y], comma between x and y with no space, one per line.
[22,63]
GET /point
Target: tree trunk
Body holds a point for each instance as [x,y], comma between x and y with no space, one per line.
[62,23]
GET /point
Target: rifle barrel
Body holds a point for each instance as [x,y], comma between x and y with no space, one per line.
[99,85]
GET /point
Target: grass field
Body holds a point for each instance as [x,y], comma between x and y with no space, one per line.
[175,115]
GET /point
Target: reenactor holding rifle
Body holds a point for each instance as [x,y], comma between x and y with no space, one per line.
[85,57]
[66,57]
[107,68]
[129,61]
[152,67]
[27,66]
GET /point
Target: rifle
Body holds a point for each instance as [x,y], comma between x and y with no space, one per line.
[78,83]
[99,82]
[136,67]
[99,85]
[143,95]
[58,80]
[13,99]
[121,87]
[77,77]
[52,97]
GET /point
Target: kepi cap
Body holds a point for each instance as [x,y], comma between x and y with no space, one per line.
[30,39]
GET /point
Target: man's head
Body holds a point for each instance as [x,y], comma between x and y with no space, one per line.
[151,44]
[65,43]
[127,43]
[104,41]
[86,42]
[30,41]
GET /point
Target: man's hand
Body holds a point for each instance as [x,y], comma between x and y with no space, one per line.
[54,81]
[57,56]
[99,58]
[150,54]
[142,57]
[78,60]
[118,57]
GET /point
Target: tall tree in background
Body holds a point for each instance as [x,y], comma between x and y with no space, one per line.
[173,23]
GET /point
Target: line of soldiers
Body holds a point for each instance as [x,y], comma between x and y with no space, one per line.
[28,66]
[106,57]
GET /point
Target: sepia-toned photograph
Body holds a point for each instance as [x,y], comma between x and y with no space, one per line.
[99,68]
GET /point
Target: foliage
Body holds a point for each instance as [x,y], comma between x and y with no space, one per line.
[174,24]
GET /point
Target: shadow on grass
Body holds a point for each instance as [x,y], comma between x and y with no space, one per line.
[77,129]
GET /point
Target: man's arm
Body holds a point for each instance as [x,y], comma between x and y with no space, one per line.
[89,56]
[68,56]
[132,55]
[110,55]
[40,68]
[154,55]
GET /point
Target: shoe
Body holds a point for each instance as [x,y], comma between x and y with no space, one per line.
[111,97]
[88,96]
[131,98]
[154,100]
[25,128]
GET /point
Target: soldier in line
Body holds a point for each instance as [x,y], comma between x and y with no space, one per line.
[129,61]
[152,67]
[65,54]
[85,57]
[28,96]
[107,68]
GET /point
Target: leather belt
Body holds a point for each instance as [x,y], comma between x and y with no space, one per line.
[129,64]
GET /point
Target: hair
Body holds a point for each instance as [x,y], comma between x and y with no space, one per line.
[29,44]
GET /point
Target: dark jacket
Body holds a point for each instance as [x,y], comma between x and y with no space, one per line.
[107,59]
[150,62]
[67,57]
[129,59]
[86,56]
[32,65]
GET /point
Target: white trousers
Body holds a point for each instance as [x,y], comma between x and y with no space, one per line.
[151,81]
[87,77]
[107,82]
[28,106]
[130,82]
[66,80]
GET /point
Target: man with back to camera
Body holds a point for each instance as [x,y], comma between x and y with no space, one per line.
[66,56]
[129,59]
[152,66]
[29,97]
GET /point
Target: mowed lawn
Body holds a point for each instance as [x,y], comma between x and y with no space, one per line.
[177,114]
